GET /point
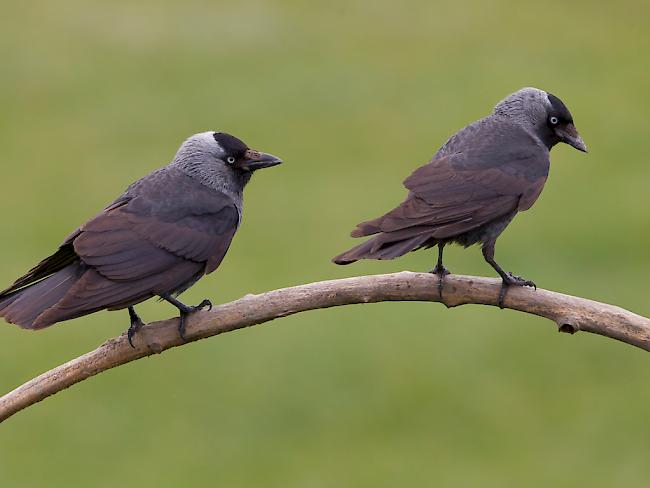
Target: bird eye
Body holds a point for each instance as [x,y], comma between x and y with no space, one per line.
[553,120]
[231,160]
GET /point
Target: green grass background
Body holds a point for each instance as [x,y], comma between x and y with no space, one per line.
[353,95]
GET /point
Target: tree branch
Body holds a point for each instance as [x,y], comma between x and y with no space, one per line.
[571,314]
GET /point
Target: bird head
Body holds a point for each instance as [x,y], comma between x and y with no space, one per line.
[218,151]
[543,114]
[221,161]
[235,154]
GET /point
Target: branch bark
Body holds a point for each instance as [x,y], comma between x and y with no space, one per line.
[571,314]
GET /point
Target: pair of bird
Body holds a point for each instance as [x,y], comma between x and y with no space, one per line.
[175,225]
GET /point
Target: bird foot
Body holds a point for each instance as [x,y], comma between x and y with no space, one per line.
[512,280]
[187,310]
[441,272]
[136,325]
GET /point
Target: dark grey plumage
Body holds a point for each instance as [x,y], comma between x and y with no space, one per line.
[475,184]
[158,238]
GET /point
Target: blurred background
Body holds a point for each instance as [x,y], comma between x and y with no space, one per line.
[353,95]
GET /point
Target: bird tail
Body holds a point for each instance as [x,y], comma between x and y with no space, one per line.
[23,306]
[383,246]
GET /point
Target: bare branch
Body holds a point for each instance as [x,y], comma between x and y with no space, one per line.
[571,314]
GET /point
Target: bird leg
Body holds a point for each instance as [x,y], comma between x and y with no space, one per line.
[185,310]
[136,323]
[508,278]
[440,269]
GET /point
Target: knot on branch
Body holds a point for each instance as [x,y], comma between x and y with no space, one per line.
[567,328]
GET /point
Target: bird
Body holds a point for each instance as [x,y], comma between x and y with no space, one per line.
[158,238]
[474,185]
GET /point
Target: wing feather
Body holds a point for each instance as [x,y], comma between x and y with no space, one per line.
[484,173]
[172,218]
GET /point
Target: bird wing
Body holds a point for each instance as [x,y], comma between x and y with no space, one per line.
[490,176]
[172,217]
[168,219]
[159,237]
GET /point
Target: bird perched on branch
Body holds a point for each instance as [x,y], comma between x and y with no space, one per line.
[158,238]
[475,184]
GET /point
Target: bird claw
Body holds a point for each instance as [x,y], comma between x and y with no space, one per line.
[133,328]
[519,281]
[181,325]
[136,325]
[184,313]
[512,280]
[441,272]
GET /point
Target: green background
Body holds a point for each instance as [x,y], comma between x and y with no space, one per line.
[353,95]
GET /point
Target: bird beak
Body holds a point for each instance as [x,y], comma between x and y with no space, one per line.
[254,160]
[569,134]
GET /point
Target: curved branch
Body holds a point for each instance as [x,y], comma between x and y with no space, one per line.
[571,314]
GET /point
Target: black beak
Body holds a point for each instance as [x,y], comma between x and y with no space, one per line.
[254,160]
[569,134]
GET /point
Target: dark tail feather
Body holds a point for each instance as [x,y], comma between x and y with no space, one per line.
[354,254]
[379,248]
[22,307]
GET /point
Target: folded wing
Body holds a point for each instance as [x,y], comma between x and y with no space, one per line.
[457,193]
[158,239]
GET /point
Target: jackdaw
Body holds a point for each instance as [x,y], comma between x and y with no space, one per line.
[158,238]
[475,184]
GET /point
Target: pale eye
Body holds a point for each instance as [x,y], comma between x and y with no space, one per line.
[231,160]
[553,120]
